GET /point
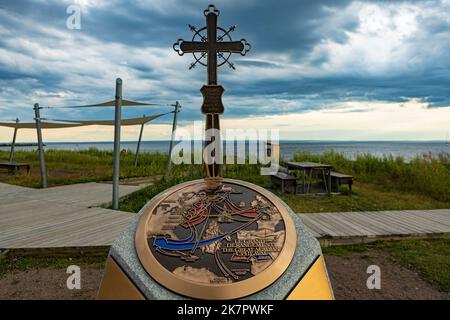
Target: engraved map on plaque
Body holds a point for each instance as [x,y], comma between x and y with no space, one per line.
[216,237]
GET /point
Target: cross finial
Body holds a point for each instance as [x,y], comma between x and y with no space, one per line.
[215,45]
[211,9]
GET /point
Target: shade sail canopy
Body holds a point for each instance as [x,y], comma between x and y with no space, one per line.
[112,103]
[79,123]
[44,125]
[123,122]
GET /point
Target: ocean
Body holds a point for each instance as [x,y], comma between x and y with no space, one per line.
[406,149]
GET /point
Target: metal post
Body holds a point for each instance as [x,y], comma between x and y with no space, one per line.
[139,144]
[118,115]
[40,145]
[11,153]
[329,181]
[174,128]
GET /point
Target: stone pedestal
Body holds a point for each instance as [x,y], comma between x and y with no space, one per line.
[146,261]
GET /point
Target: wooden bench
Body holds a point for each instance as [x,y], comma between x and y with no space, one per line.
[284,179]
[340,178]
[15,167]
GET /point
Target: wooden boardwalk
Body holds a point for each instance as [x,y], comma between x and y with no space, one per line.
[68,217]
[337,228]
[60,217]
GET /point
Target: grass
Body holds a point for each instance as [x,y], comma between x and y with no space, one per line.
[9,263]
[386,183]
[365,197]
[429,258]
[425,174]
[68,167]
[182,173]
[380,184]
[343,251]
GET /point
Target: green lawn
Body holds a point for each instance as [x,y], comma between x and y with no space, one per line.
[10,263]
[69,167]
[429,258]
[365,197]
[380,183]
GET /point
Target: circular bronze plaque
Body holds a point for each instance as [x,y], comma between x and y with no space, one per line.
[215,244]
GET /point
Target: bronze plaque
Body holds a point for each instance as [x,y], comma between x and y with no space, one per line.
[212,99]
[225,243]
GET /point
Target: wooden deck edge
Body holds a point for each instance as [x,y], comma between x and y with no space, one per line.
[71,252]
[329,241]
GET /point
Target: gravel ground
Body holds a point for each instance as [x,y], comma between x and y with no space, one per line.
[348,275]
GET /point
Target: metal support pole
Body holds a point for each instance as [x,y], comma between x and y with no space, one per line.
[329,181]
[118,115]
[11,153]
[136,156]
[37,115]
[174,128]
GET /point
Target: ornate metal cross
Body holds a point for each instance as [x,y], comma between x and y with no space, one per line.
[212,47]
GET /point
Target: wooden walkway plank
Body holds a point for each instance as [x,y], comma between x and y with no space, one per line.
[58,217]
[78,237]
[364,220]
[418,223]
[354,229]
[317,231]
[92,235]
[82,230]
[69,217]
[74,218]
[423,221]
[338,225]
[438,217]
[392,225]
[364,230]
[357,227]
[388,225]
[324,228]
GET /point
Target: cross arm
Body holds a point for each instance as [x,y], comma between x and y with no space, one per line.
[193,46]
[231,46]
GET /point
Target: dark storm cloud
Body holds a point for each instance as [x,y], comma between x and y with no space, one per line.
[286,58]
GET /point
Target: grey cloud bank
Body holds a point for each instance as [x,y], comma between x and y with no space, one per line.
[306,55]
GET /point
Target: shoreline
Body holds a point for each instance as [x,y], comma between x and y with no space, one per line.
[406,149]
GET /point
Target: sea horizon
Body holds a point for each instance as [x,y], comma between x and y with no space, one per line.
[284,140]
[351,148]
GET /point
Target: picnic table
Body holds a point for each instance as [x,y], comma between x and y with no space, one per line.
[15,167]
[285,180]
[307,169]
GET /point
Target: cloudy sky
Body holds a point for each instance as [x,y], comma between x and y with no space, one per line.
[334,70]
